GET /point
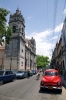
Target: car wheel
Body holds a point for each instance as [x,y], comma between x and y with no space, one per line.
[13,79]
[1,82]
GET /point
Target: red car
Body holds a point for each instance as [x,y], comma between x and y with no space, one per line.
[51,80]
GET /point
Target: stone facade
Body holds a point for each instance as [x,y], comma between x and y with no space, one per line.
[2,48]
[20,53]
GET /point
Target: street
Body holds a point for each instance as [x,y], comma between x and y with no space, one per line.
[28,89]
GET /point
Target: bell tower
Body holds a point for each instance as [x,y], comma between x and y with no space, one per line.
[14,58]
[18,24]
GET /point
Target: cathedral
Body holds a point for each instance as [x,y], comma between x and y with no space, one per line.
[20,53]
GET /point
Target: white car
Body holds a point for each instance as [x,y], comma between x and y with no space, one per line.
[21,74]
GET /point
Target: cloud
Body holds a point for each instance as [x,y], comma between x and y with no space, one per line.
[30,17]
[7,24]
[54,38]
[8,9]
[64,12]
[43,45]
[58,28]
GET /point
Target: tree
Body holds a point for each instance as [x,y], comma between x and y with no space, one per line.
[42,61]
[5,31]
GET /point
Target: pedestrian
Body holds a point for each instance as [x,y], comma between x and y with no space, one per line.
[38,74]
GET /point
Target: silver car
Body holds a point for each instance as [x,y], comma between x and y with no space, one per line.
[21,74]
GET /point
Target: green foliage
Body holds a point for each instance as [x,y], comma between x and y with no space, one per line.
[4,30]
[42,61]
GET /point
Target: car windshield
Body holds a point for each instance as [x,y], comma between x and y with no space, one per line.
[51,73]
[1,72]
[20,71]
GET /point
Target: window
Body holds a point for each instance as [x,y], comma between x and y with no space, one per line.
[6,73]
[21,63]
[10,72]
[51,73]
[22,29]
[14,29]
[1,72]
[20,72]
[22,50]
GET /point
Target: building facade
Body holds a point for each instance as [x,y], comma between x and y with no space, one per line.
[64,43]
[20,53]
[60,49]
[2,49]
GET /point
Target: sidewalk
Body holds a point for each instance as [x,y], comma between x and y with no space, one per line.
[63,81]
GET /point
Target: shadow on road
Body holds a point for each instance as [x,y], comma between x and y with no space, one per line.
[47,91]
[64,85]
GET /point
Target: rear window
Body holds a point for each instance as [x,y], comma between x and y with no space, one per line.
[20,71]
[51,73]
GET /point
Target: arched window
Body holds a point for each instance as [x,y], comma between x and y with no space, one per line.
[22,50]
[14,29]
[22,29]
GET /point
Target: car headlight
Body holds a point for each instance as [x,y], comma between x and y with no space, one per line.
[59,83]
[42,82]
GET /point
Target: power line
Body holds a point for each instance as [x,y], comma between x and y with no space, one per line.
[47,16]
[54,17]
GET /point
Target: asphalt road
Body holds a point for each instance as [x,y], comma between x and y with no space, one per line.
[28,89]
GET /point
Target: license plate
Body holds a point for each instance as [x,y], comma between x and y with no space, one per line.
[50,87]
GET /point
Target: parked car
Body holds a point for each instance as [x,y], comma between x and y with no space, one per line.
[51,80]
[34,72]
[31,73]
[21,74]
[6,76]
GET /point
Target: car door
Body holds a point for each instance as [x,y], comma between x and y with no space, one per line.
[10,75]
[25,73]
[6,76]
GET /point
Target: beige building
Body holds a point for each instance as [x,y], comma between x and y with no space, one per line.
[2,50]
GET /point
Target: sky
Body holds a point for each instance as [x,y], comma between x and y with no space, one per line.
[43,21]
